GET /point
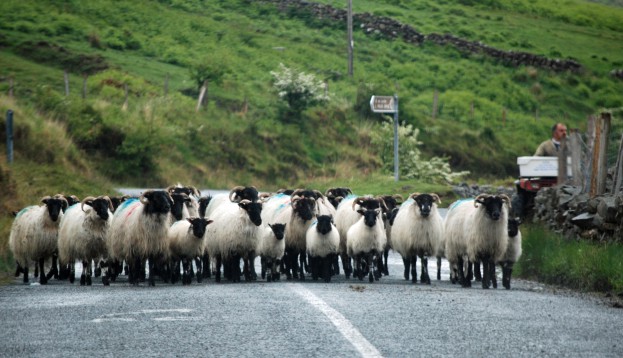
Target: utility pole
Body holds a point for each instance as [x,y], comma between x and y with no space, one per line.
[350,37]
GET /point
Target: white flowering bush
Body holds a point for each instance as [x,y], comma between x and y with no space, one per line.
[300,90]
[411,163]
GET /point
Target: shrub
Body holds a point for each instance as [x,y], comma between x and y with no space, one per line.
[298,89]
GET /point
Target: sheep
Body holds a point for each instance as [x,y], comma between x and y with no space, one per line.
[186,240]
[34,234]
[271,248]
[138,232]
[417,231]
[513,251]
[179,209]
[82,236]
[347,215]
[193,194]
[297,211]
[477,231]
[336,195]
[323,243]
[234,235]
[365,241]
[487,234]
[204,201]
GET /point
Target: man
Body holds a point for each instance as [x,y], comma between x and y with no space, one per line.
[550,147]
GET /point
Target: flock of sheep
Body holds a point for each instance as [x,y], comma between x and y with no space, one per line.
[179,235]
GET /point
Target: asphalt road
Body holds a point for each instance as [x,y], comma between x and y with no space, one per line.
[344,318]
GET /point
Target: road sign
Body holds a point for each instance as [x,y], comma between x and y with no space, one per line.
[382,104]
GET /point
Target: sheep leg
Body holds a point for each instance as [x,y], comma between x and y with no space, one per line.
[54,269]
[424,278]
[199,269]
[98,269]
[348,270]
[205,262]
[72,271]
[315,264]
[25,271]
[477,274]
[462,278]
[152,268]
[18,270]
[369,265]
[329,262]
[336,265]
[89,274]
[407,263]
[413,261]
[486,277]
[302,265]
[384,262]
[251,259]
[494,279]
[42,277]
[83,275]
[186,277]
[438,268]
[377,264]
[36,270]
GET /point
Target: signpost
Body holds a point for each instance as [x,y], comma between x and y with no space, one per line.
[388,104]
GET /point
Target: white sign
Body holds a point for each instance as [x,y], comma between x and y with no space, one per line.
[382,104]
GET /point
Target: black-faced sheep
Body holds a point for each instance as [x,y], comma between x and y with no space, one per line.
[82,236]
[193,194]
[138,232]
[271,249]
[417,232]
[34,234]
[234,235]
[365,241]
[323,244]
[186,242]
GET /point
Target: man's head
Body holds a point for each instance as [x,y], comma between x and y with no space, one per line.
[559,131]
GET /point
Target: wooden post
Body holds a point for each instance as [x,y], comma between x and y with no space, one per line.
[595,144]
[66,80]
[11,87]
[201,94]
[563,153]
[573,142]
[435,100]
[618,173]
[166,85]
[603,152]
[84,86]
[125,103]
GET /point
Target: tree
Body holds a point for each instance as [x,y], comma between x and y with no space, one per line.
[298,89]
[211,70]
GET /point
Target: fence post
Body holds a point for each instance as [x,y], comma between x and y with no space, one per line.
[125,103]
[201,94]
[9,136]
[562,161]
[599,170]
[66,80]
[573,140]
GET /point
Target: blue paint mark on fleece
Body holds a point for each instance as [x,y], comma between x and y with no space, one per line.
[456,203]
[126,204]
[25,210]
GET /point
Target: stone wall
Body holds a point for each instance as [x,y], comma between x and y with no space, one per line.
[391,29]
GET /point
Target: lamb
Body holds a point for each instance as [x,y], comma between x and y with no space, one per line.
[234,235]
[323,243]
[34,234]
[365,241]
[82,236]
[417,231]
[513,251]
[138,232]
[271,248]
[186,239]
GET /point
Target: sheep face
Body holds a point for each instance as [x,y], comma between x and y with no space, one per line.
[156,202]
[279,230]
[369,216]
[492,206]
[55,206]
[304,207]
[102,207]
[425,203]
[199,226]
[203,205]
[513,226]
[117,200]
[335,195]
[179,200]
[71,200]
[254,210]
[188,190]
[324,224]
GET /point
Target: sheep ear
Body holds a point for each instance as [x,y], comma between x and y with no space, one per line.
[208,222]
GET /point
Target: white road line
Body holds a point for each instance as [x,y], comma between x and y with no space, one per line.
[361,344]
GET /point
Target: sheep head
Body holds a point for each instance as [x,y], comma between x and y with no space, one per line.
[369,216]
[156,201]
[239,193]
[425,202]
[198,226]
[513,226]
[253,209]
[56,205]
[492,204]
[323,226]
[179,200]
[303,207]
[279,230]
[102,205]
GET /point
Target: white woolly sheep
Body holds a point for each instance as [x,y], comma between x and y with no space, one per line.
[417,231]
[82,236]
[323,243]
[34,235]
[138,232]
[186,242]
[513,251]
[365,241]
[233,236]
[456,241]
[271,248]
